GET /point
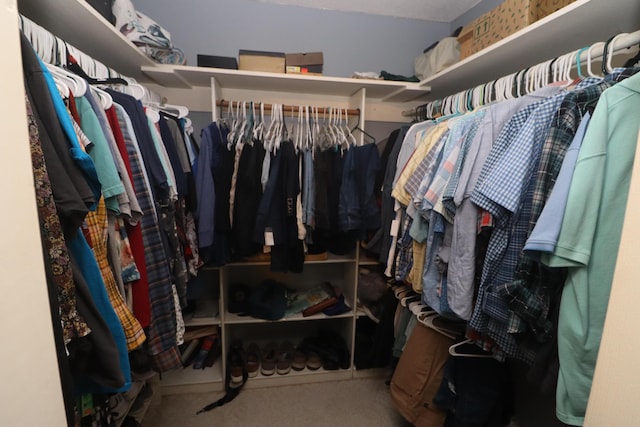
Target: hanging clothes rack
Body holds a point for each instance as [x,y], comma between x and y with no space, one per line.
[529,79]
[55,51]
[292,109]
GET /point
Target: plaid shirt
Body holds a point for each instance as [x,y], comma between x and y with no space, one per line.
[404,253]
[517,144]
[97,228]
[424,147]
[162,330]
[452,186]
[529,294]
[432,199]
[509,132]
[519,154]
[412,186]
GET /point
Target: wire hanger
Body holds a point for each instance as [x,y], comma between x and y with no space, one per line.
[363,132]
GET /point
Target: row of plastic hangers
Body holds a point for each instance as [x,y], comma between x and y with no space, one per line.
[75,73]
[559,69]
[308,129]
[426,315]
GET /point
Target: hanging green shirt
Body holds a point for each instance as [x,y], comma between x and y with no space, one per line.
[589,239]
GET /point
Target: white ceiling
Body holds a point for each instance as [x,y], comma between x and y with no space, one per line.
[427,10]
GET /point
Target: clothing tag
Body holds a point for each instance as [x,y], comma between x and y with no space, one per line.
[266,249]
[268,237]
[395,228]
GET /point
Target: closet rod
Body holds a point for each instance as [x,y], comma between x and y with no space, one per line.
[290,108]
[596,50]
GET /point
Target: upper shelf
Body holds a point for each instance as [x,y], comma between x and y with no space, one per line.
[577,25]
[77,23]
[581,23]
[187,77]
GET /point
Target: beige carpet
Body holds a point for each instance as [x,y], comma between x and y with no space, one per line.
[354,403]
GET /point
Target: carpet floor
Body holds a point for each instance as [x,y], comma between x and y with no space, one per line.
[353,403]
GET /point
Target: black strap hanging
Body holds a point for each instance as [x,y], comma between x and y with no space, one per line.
[236,355]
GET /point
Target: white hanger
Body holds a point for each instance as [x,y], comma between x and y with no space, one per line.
[328,129]
[188,125]
[339,140]
[274,132]
[350,138]
[268,134]
[476,100]
[589,71]
[427,318]
[315,135]
[259,129]
[499,86]
[512,81]
[243,123]
[65,85]
[488,94]
[611,51]
[105,98]
[297,129]
[282,127]
[308,135]
[77,84]
[232,126]
[139,92]
[453,351]
[153,114]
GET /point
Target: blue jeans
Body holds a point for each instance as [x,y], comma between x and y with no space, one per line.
[358,208]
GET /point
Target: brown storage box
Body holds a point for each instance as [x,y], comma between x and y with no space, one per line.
[304,63]
[255,60]
[506,19]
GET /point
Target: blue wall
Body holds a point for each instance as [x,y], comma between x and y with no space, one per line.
[350,41]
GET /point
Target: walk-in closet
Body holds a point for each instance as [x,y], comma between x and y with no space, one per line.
[268,213]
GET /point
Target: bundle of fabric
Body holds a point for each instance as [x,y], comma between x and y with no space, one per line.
[145,33]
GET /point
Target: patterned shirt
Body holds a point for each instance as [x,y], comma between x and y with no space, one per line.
[162,330]
[450,190]
[529,295]
[97,228]
[516,157]
[424,146]
[432,198]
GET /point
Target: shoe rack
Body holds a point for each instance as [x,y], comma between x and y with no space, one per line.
[341,271]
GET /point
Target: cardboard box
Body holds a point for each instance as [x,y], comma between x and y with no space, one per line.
[213,61]
[506,19]
[255,60]
[304,63]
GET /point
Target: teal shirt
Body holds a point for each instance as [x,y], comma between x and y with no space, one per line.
[589,240]
[101,154]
